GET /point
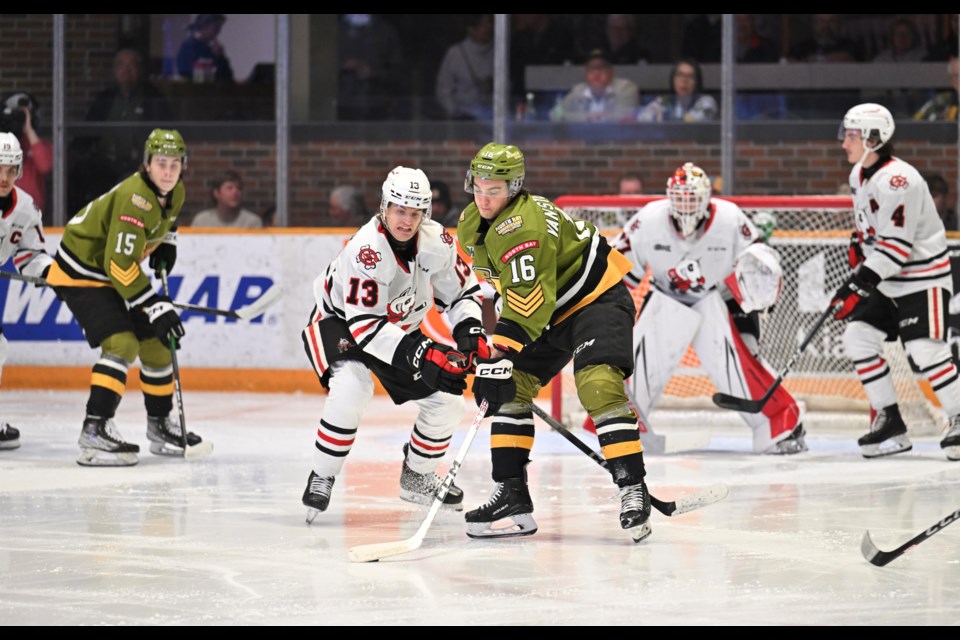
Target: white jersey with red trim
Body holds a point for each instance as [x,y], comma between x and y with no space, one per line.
[383,297]
[21,235]
[686,269]
[903,239]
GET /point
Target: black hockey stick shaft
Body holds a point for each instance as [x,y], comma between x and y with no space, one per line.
[746,405]
[666,508]
[40,282]
[881,558]
[176,368]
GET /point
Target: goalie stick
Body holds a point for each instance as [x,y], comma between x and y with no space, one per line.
[882,558]
[746,405]
[377,551]
[243,313]
[691,502]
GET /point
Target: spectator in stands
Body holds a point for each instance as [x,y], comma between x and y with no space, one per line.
[464,86]
[602,97]
[943,105]
[686,102]
[752,47]
[622,43]
[201,57]
[347,208]
[131,97]
[442,207]
[828,43]
[940,191]
[904,45]
[630,184]
[371,69]
[701,38]
[947,47]
[19,117]
[227,193]
[537,39]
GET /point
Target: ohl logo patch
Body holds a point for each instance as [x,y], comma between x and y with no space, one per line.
[368,257]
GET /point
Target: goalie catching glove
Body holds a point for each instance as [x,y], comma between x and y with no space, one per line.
[493,381]
[440,367]
[164,318]
[757,279]
[471,342]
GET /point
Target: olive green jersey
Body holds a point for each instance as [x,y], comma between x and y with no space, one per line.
[544,264]
[104,243]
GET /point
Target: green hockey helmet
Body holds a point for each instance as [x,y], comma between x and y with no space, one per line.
[497,162]
[165,142]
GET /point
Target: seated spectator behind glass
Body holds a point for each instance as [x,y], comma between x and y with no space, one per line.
[828,43]
[752,47]
[904,45]
[685,103]
[442,209]
[19,117]
[465,80]
[371,68]
[942,106]
[347,208]
[130,97]
[630,185]
[201,57]
[602,98]
[940,190]
[947,47]
[227,193]
[622,44]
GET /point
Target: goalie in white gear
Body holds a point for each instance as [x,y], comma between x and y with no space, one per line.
[901,284]
[370,303]
[709,274]
[21,238]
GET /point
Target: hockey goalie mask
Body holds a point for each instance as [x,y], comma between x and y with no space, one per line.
[11,153]
[688,190]
[407,187]
[874,123]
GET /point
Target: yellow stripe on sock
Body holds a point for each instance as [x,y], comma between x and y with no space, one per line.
[511,442]
[101,380]
[157,389]
[621,449]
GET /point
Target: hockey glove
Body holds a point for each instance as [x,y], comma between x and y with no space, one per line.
[164,318]
[471,341]
[440,367]
[854,292]
[494,382]
[855,250]
[164,256]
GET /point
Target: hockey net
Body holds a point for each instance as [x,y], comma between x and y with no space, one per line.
[812,236]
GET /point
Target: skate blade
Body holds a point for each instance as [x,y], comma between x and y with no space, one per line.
[10,444]
[898,444]
[97,458]
[953,453]
[427,501]
[195,452]
[641,532]
[511,526]
[312,515]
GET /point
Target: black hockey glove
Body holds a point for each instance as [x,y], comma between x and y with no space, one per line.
[164,318]
[164,256]
[471,341]
[494,382]
[854,292]
[441,367]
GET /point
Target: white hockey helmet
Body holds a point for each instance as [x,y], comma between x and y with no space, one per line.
[874,123]
[688,190]
[10,152]
[407,188]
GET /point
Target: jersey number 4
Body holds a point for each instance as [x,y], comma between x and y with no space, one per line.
[370,295]
[897,216]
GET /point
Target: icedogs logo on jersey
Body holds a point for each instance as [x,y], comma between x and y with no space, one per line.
[686,277]
[898,182]
[368,257]
[402,306]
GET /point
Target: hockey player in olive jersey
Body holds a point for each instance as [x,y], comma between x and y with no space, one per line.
[97,273]
[562,297]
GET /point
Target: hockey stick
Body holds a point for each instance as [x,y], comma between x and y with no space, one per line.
[243,313]
[204,448]
[713,493]
[377,551]
[882,558]
[746,405]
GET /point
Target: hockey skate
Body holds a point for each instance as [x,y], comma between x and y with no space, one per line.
[794,443]
[509,507]
[635,510]
[888,435]
[9,436]
[421,488]
[951,442]
[101,445]
[316,496]
[165,438]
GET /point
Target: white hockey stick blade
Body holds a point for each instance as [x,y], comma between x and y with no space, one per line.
[380,550]
[198,451]
[260,304]
[700,499]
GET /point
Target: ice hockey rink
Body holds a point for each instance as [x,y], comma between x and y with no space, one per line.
[223,541]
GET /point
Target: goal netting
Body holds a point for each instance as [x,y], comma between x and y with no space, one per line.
[812,235]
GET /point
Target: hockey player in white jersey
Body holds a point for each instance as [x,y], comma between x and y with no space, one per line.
[369,305]
[901,284]
[21,238]
[709,273]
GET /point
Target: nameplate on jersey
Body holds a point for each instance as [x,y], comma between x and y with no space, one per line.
[509,225]
[140,202]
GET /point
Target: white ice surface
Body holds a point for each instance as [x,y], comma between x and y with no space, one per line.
[222,541]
